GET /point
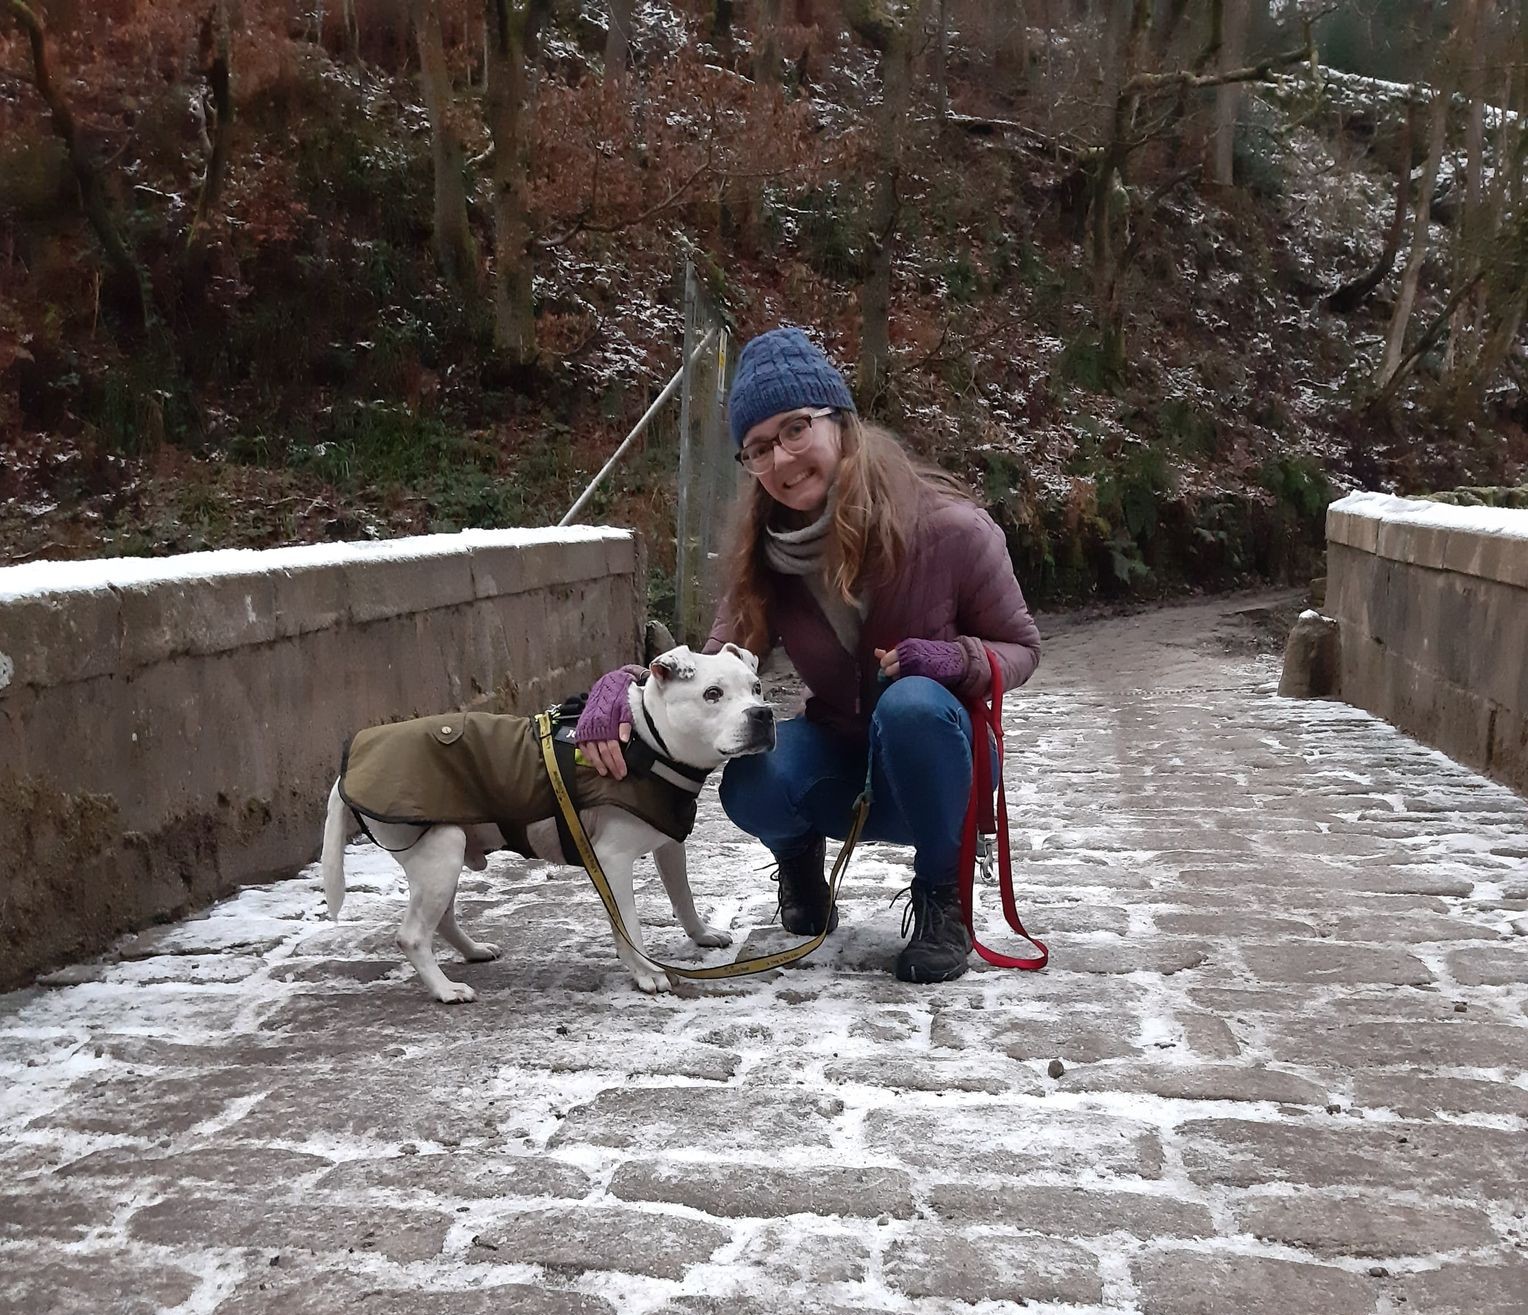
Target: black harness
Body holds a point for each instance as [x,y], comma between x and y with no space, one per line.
[641,760]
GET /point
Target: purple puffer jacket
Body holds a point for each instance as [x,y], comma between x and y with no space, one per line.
[957,583]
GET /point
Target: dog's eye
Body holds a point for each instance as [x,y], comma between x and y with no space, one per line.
[758,688]
[714,694]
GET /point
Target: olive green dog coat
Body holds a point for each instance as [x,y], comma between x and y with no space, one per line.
[470,768]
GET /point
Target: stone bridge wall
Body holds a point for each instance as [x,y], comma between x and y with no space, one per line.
[169,729]
[1432,602]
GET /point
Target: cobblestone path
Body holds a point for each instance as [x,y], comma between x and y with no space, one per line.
[1287,991]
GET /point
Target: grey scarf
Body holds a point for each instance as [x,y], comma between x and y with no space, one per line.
[804,552]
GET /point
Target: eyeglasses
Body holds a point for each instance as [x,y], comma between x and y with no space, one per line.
[793,436]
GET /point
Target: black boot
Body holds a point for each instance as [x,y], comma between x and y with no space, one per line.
[940,943]
[804,905]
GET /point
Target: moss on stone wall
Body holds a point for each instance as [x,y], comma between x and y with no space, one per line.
[1500,496]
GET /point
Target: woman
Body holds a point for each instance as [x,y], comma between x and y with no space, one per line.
[886,585]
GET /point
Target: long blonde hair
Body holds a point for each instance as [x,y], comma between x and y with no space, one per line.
[879,490]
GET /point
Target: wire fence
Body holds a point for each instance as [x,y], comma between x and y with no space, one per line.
[708,476]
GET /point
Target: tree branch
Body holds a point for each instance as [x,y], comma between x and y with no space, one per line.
[1351,295]
[581,224]
[1191,81]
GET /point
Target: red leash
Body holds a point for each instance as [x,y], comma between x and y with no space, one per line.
[980,818]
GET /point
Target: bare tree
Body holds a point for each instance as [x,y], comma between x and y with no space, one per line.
[721,28]
[513,35]
[119,260]
[1146,104]
[217,56]
[1011,44]
[618,42]
[455,247]
[1228,96]
[942,59]
[1110,201]
[1471,231]
[888,27]
[766,43]
[1395,338]
[352,28]
[1503,255]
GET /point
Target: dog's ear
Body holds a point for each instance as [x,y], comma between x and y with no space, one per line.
[676,664]
[743,653]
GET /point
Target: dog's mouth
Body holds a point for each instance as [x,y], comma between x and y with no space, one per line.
[759,739]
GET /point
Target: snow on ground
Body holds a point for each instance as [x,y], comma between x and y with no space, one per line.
[1284,992]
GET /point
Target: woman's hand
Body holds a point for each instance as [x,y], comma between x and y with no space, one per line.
[943,660]
[605,724]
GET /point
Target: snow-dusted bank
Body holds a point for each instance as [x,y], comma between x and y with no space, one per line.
[1432,603]
[172,725]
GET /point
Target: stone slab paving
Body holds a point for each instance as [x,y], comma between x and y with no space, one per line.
[1287,998]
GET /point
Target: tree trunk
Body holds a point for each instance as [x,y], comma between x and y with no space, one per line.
[1505,286]
[455,247]
[352,27]
[119,261]
[894,40]
[721,29]
[1011,46]
[1470,237]
[766,44]
[1110,199]
[1167,28]
[1228,98]
[942,60]
[1395,340]
[512,31]
[218,41]
[618,42]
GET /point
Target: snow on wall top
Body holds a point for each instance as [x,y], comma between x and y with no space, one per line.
[48,577]
[1500,522]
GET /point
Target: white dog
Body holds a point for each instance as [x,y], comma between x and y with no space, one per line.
[692,710]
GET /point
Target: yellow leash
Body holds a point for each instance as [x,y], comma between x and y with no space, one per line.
[742,967]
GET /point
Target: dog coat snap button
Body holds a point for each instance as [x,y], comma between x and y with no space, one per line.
[448,732]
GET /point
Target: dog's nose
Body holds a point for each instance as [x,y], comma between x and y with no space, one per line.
[762,715]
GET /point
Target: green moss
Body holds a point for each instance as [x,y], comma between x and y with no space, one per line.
[1299,484]
[1477,496]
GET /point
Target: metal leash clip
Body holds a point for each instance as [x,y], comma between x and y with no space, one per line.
[986,854]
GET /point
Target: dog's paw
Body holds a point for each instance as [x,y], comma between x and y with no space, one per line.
[712,936]
[456,993]
[651,982]
[482,952]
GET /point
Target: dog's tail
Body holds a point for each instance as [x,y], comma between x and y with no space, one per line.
[332,861]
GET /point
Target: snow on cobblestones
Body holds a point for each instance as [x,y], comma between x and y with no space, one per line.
[1284,971]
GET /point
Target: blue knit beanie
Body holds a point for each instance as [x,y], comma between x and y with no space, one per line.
[779,371]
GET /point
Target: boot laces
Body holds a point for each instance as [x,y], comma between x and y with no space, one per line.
[925,914]
[774,875]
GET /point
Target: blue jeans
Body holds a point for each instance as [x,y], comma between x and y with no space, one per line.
[920,752]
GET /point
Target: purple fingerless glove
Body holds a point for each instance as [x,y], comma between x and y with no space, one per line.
[943,660]
[608,708]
